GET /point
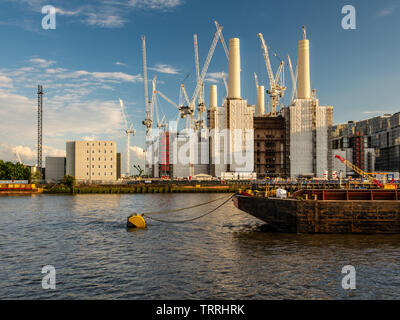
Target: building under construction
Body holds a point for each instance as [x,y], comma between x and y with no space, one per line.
[379,137]
[309,125]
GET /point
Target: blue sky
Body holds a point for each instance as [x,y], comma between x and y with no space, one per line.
[94,57]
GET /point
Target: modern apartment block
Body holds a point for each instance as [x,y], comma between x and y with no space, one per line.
[381,141]
[92,161]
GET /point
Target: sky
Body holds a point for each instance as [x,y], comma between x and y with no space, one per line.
[93,58]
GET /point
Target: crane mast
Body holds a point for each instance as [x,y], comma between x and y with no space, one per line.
[205,68]
[148,122]
[277,86]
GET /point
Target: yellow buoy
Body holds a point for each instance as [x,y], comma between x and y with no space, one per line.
[136,221]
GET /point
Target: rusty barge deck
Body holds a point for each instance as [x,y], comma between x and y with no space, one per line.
[327,211]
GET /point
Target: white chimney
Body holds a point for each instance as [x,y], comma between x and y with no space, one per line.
[234,69]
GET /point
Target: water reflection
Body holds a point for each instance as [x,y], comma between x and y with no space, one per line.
[223,256]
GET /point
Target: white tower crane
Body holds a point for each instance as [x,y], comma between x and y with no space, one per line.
[277,85]
[204,70]
[18,156]
[148,122]
[128,131]
[293,75]
[225,83]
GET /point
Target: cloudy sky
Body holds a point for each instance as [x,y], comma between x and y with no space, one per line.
[93,57]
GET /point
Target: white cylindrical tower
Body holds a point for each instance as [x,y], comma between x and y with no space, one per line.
[303,79]
[234,69]
[213,97]
[260,101]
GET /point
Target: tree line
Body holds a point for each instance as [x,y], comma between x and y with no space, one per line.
[14,171]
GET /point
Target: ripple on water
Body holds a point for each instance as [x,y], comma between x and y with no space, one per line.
[227,255]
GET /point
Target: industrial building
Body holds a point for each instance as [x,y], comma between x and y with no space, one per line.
[231,125]
[93,161]
[55,168]
[269,147]
[379,137]
[309,125]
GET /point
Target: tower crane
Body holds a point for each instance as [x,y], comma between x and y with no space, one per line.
[148,122]
[293,75]
[129,131]
[17,155]
[365,174]
[201,107]
[277,83]
[200,81]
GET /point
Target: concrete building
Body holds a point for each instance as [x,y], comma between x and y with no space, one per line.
[228,149]
[269,147]
[308,125]
[92,161]
[55,168]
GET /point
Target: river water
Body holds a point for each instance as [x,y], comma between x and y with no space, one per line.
[225,255]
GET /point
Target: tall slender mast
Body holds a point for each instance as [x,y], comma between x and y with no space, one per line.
[40,126]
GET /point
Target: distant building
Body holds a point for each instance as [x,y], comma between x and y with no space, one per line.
[55,168]
[92,161]
[269,147]
[381,142]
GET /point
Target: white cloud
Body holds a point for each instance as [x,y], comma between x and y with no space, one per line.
[121,64]
[164,68]
[154,4]
[42,62]
[5,82]
[28,155]
[90,138]
[214,77]
[139,152]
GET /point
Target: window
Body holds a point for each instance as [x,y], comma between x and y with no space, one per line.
[105,151]
[92,173]
[93,151]
[92,166]
[99,166]
[105,166]
[87,144]
[87,151]
[111,166]
[87,173]
[87,159]
[92,159]
[105,173]
[111,173]
[99,158]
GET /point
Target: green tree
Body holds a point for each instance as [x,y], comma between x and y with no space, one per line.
[69,181]
[11,171]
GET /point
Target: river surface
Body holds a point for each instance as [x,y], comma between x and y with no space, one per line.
[225,255]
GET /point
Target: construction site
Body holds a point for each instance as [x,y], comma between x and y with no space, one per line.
[235,140]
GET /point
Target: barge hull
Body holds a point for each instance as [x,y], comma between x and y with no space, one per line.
[324,216]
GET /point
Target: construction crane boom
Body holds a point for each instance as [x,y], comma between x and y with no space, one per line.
[167,99]
[225,83]
[267,60]
[205,68]
[222,40]
[359,171]
[293,75]
[256,80]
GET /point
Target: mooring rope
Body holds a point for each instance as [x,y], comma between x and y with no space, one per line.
[191,219]
[182,209]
